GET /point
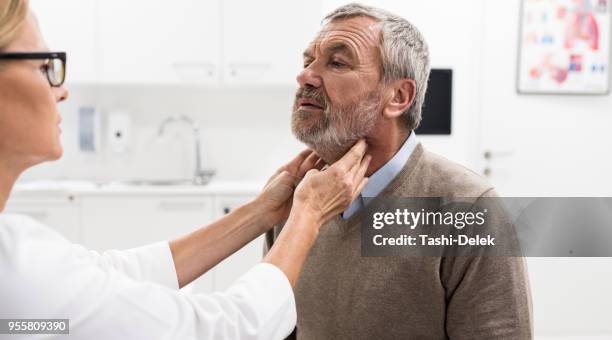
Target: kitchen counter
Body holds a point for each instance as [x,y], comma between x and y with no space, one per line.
[87,188]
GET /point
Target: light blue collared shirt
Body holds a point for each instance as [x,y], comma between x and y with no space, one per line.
[383,176]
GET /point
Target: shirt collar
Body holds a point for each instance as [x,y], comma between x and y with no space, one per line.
[379,180]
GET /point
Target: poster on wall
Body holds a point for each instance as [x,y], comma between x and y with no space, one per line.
[564,47]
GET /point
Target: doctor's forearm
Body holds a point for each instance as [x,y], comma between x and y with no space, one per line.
[199,251]
[292,246]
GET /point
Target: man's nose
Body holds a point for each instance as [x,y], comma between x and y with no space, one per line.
[309,76]
[61,93]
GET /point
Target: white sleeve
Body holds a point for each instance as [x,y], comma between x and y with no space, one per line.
[46,278]
[152,263]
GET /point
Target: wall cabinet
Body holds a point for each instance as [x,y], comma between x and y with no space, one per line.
[210,42]
[69,25]
[155,41]
[263,40]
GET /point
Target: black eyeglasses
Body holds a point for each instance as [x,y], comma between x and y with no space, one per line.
[54,67]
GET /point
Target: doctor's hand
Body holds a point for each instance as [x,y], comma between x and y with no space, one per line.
[321,195]
[275,199]
[325,194]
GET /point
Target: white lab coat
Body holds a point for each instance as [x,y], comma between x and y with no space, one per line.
[130,294]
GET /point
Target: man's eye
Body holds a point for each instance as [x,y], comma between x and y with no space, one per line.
[43,68]
[337,64]
[307,63]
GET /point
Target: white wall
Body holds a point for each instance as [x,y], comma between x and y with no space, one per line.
[245,133]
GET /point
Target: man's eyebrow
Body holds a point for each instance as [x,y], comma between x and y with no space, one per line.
[307,54]
[342,48]
[337,47]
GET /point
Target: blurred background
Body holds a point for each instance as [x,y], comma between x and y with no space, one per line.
[154,83]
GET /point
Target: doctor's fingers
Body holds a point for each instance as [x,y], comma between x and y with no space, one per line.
[353,157]
[309,163]
[359,175]
[320,165]
[294,165]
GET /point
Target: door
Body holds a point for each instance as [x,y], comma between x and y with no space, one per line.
[534,145]
[537,145]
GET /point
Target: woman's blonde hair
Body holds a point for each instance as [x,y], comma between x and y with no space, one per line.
[12,15]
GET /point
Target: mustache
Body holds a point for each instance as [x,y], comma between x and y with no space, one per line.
[312,93]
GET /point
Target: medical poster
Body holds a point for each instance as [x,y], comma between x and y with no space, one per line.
[564,47]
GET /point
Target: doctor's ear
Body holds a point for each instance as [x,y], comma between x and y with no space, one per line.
[401,94]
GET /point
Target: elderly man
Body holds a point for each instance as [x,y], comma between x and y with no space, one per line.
[365,76]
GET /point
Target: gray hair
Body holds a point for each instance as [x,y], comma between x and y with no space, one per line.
[404,52]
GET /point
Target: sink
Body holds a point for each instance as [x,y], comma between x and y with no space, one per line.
[157,182]
[204,177]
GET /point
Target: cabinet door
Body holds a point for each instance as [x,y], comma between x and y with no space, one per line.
[230,269]
[155,41]
[263,40]
[126,221]
[68,25]
[59,212]
[123,222]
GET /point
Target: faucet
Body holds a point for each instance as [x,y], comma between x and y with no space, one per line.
[200,176]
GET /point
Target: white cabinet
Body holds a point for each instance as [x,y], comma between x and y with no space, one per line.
[230,269]
[263,40]
[210,42]
[156,41]
[69,25]
[128,221]
[58,211]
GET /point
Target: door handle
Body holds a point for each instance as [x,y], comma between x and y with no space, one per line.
[488,154]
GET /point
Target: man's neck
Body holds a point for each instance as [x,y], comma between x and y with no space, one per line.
[383,146]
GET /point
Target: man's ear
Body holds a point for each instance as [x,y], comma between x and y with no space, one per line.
[402,95]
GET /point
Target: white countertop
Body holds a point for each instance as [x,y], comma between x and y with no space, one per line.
[27,188]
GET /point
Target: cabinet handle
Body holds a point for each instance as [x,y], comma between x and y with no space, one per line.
[253,68]
[194,70]
[182,206]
